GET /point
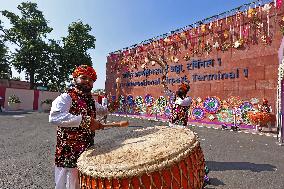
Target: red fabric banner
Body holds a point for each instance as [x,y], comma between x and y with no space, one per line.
[36,96]
[2,95]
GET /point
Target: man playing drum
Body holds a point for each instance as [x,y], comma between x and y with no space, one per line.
[74,112]
[180,109]
[180,106]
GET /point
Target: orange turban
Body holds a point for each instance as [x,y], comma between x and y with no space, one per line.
[85,70]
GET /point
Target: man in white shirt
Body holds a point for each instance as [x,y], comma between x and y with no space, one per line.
[180,106]
[74,113]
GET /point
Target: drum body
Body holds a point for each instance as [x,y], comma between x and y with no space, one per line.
[169,168]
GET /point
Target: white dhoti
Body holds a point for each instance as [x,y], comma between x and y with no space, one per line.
[66,178]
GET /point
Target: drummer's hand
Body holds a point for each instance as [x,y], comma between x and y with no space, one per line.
[124,124]
[95,125]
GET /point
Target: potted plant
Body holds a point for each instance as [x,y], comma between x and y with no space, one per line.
[46,105]
[14,102]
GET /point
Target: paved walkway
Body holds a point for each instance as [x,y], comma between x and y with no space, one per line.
[237,160]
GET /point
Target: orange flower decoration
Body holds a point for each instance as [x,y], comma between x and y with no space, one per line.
[251,13]
[203,28]
[85,70]
[226,34]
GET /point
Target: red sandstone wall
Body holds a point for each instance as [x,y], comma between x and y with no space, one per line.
[260,61]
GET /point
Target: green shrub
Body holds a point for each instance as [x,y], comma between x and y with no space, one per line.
[47,101]
[14,99]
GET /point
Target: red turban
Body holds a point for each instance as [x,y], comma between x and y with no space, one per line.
[265,101]
[85,70]
[184,87]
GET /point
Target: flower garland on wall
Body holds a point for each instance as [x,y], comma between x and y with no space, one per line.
[210,108]
[198,113]
[121,102]
[130,100]
[238,29]
[234,101]
[246,107]
[212,104]
[149,100]
[168,111]
[159,106]
[281,24]
[140,106]
[130,103]
[226,116]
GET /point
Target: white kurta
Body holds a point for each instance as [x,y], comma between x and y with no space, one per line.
[67,178]
[182,102]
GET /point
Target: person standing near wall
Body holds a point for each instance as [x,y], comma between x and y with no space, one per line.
[179,112]
[104,99]
[100,97]
[180,106]
[104,104]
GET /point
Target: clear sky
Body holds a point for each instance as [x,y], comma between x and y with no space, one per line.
[121,23]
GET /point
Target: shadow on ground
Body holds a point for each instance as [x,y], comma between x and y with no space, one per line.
[14,113]
[214,182]
[224,166]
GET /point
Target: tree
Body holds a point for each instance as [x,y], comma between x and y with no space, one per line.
[5,70]
[54,72]
[46,62]
[76,45]
[28,32]
[61,61]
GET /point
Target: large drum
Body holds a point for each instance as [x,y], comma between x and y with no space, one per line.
[152,157]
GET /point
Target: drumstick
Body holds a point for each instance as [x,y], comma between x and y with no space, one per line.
[117,124]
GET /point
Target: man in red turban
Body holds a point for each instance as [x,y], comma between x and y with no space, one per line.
[84,77]
[74,113]
[85,70]
[180,106]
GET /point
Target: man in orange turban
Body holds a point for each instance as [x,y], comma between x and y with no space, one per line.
[74,113]
[85,70]
[84,78]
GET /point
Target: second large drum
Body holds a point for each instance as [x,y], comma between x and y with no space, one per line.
[152,157]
